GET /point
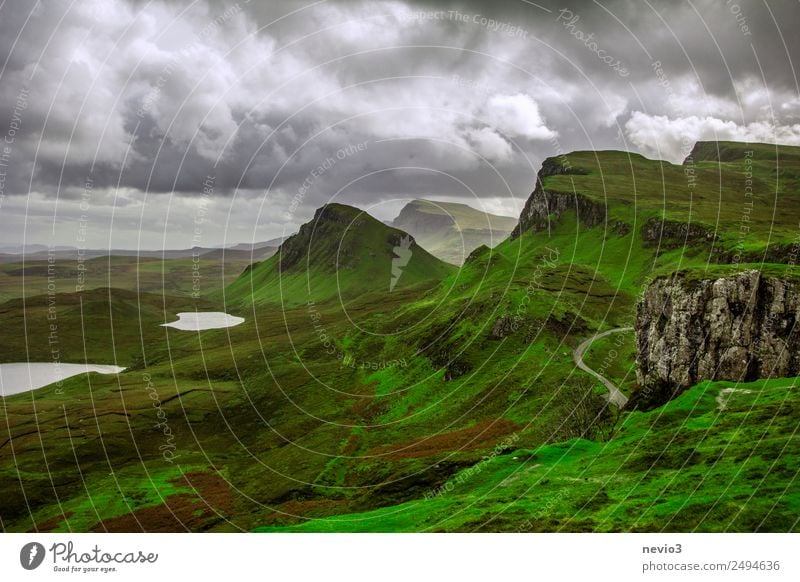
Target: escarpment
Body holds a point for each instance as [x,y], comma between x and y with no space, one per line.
[544,207]
[668,235]
[671,234]
[740,327]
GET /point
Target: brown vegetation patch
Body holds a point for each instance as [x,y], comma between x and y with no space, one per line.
[210,502]
[50,524]
[485,434]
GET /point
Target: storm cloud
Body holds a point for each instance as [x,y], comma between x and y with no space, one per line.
[127,108]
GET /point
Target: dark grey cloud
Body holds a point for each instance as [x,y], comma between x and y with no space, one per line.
[149,99]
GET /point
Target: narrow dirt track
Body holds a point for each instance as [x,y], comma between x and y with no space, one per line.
[615,396]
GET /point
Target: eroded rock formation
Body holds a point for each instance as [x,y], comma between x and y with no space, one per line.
[740,327]
[544,207]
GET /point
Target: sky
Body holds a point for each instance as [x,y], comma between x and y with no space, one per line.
[164,124]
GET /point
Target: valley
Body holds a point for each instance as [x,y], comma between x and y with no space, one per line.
[370,385]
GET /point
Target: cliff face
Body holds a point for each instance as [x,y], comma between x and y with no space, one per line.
[544,207]
[739,328]
[670,234]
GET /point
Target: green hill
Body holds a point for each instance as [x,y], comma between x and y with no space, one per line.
[715,459]
[734,151]
[342,252]
[451,402]
[748,200]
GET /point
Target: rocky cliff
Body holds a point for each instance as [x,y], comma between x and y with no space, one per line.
[740,327]
[667,235]
[671,234]
[544,207]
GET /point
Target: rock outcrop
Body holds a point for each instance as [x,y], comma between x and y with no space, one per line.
[778,253]
[504,326]
[671,234]
[545,207]
[697,238]
[740,327]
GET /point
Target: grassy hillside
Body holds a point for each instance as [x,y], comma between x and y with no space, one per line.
[456,381]
[749,199]
[721,457]
[463,216]
[99,326]
[342,253]
[203,276]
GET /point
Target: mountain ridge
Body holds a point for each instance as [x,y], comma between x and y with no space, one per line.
[342,251]
[452,230]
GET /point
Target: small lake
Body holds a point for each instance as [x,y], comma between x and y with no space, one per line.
[17,378]
[194,321]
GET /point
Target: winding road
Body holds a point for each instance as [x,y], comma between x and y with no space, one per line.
[615,396]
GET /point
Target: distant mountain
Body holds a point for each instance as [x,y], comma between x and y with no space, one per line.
[253,254]
[451,231]
[272,243]
[32,249]
[254,251]
[344,252]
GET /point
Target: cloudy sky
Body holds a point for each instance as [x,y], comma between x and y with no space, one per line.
[130,122]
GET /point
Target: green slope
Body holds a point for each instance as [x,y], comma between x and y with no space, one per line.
[749,199]
[205,275]
[342,253]
[352,417]
[462,216]
[707,461]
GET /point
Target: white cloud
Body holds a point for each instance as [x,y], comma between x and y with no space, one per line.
[517,116]
[613,107]
[790,109]
[423,92]
[489,144]
[686,95]
[672,139]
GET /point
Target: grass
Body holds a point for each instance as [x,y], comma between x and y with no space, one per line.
[686,467]
[707,192]
[179,277]
[352,413]
[342,254]
[464,216]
